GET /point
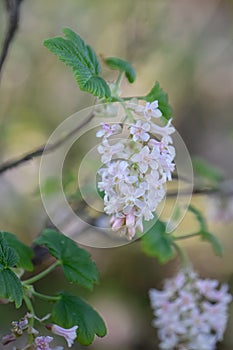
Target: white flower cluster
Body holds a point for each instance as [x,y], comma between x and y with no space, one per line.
[135,168]
[191,313]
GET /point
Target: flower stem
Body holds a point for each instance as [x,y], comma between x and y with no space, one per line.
[189,235]
[182,254]
[32,312]
[42,274]
[136,97]
[119,79]
[45,297]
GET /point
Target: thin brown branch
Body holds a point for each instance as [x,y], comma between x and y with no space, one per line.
[12,163]
[13,9]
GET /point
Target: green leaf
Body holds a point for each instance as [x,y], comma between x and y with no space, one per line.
[207,236]
[157,93]
[70,310]
[157,243]
[204,234]
[76,262]
[206,171]
[8,255]
[82,59]
[122,66]
[25,253]
[200,218]
[10,287]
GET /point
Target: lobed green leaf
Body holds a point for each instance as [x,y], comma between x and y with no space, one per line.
[8,255]
[73,51]
[157,93]
[25,253]
[157,243]
[123,66]
[76,262]
[70,310]
[10,287]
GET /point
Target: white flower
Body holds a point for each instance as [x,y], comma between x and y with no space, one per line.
[135,170]
[108,130]
[187,313]
[108,151]
[152,110]
[69,334]
[164,131]
[148,111]
[140,131]
[145,159]
[42,343]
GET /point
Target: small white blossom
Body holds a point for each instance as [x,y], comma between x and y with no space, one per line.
[152,110]
[42,343]
[108,130]
[108,151]
[189,312]
[140,131]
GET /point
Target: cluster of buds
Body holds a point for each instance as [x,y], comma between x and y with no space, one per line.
[190,312]
[136,168]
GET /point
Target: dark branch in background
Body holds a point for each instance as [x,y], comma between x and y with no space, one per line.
[39,151]
[13,9]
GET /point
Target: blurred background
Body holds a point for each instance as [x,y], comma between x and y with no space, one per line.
[187,47]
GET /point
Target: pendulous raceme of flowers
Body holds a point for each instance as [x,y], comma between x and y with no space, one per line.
[136,168]
[190,312]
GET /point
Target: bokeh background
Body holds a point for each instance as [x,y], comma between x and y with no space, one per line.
[187,47]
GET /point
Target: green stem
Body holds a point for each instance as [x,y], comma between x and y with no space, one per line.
[189,235]
[183,256]
[42,274]
[130,98]
[32,312]
[123,99]
[119,79]
[45,297]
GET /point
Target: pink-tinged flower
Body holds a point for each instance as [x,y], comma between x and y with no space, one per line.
[163,131]
[191,311]
[140,131]
[8,338]
[42,343]
[117,223]
[135,169]
[108,130]
[69,334]
[145,159]
[108,150]
[152,110]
